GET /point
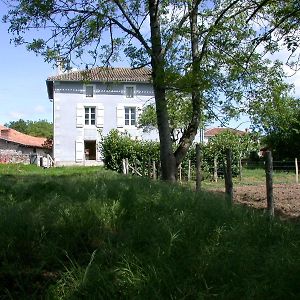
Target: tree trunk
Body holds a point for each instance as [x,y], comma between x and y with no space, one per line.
[191,131]
[168,162]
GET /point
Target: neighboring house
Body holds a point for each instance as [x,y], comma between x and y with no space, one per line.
[17,147]
[89,103]
[210,133]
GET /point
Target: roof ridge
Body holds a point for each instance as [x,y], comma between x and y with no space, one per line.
[22,138]
[102,73]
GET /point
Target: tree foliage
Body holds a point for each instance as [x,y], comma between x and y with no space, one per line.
[41,128]
[205,49]
[240,144]
[279,121]
[117,146]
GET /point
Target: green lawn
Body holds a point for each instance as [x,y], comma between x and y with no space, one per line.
[253,177]
[88,233]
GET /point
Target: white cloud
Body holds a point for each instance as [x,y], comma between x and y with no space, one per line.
[40,109]
[283,55]
[16,115]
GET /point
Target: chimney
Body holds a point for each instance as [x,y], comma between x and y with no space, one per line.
[60,66]
[4,133]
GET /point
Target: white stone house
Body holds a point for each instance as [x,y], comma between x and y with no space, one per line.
[88,102]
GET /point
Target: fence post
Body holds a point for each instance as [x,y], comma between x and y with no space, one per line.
[127,166]
[269,183]
[228,176]
[296,166]
[154,170]
[124,166]
[240,168]
[198,167]
[149,168]
[189,171]
[215,176]
[180,172]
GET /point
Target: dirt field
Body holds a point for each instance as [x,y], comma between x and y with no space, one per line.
[286,198]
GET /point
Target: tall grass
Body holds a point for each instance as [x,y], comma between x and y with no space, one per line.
[86,233]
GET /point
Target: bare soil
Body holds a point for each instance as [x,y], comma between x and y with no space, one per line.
[286,198]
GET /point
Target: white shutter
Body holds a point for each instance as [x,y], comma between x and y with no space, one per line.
[79,150]
[100,115]
[120,116]
[139,110]
[79,115]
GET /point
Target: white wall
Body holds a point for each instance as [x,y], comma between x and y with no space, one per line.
[110,96]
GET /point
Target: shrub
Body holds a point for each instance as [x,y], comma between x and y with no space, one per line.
[117,146]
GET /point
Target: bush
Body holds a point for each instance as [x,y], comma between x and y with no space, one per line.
[117,146]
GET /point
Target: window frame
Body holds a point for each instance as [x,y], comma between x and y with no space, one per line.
[133,91]
[130,109]
[93,86]
[89,113]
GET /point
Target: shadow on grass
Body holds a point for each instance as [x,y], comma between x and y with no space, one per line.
[105,236]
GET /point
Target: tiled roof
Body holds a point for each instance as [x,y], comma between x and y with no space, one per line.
[14,136]
[106,74]
[214,131]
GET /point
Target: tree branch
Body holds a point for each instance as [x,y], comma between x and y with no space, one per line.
[135,31]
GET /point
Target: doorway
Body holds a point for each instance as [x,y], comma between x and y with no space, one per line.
[90,150]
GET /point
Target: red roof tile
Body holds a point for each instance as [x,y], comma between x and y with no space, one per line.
[106,74]
[214,131]
[14,136]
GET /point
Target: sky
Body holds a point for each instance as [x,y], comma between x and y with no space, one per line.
[23,75]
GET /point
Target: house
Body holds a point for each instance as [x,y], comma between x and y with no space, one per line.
[17,147]
[210,133]
[89,103]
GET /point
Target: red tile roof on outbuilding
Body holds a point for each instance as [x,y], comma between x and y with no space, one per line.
[17,137]
[214,131]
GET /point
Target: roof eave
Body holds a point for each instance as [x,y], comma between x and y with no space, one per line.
[22,144]
[49,84]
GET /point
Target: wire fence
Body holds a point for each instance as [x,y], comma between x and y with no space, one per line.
[252,173]
[187,172]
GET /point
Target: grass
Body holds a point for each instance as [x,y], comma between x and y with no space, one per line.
[253,177]
[87,233]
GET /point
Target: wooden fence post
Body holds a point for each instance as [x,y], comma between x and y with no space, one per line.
[228,177]
[127,166]
[240,168]
[215,175]
[269,183]
[198,167]
[154,170]
[149,168]
[189,171]
[180,171]
[296,166]
[123,166]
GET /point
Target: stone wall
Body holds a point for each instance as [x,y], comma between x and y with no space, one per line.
[13,156]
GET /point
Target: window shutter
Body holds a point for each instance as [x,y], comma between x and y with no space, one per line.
[120,116]
[100,115]
[79,150]
[139,110]
[79,115]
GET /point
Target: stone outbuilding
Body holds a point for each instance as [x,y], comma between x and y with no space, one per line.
[17,147]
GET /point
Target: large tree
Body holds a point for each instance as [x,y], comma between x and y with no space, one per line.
[191,45]
[41,128]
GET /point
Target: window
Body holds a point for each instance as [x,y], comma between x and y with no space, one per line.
[130,116]
[90,150]
[89,91]
[129,91]
[90,115]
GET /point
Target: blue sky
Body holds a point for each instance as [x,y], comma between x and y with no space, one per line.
[23,91]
